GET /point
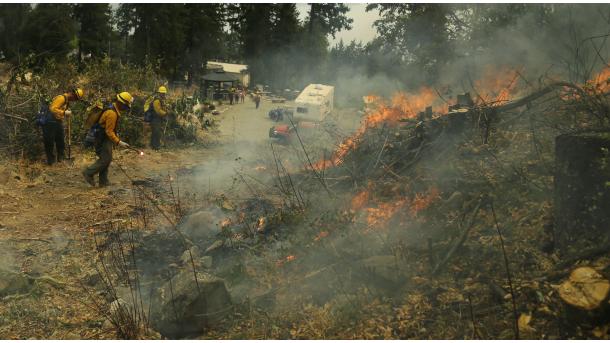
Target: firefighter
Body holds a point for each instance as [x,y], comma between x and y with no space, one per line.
[158,118]
[106,139]
[257,99]
[53,129]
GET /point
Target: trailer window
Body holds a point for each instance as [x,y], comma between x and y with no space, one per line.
[302,110]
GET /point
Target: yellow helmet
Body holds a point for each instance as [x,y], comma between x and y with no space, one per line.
[125,98]
[162,90]
[79,92]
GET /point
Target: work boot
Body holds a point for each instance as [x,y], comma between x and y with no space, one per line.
[89,179]
[105,184]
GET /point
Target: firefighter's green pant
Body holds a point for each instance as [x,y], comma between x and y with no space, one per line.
[104,153]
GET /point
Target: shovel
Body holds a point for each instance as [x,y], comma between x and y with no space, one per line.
[70,159]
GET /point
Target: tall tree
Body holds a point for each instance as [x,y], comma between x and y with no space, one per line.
[419,31]
[323,20]
[203,23]
[12,23]
[50,31]
[95,29]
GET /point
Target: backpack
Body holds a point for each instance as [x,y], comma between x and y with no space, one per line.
[149,109]
[95,130]
[44,115]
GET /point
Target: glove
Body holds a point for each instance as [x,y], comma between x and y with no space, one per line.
[123,144]
[67,113]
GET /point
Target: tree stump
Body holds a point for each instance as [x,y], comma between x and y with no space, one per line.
[582,191]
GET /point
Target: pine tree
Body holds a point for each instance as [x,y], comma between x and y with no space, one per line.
[50,31]
[13,19]
[94,29]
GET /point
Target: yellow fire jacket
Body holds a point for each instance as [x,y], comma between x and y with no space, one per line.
[159,108]
[109,121]
[58,106]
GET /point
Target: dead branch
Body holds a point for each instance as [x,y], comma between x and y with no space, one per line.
[508,275]
[460,241]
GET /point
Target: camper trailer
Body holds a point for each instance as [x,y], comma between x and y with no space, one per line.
[314,103]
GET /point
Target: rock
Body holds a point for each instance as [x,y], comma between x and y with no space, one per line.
[14,283]
[189,311]
[186,256]
[201,226]
[585,289]
[206,262]
[217,244]
[107,325]
[92,278]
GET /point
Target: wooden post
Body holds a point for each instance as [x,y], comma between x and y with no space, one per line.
[582,191]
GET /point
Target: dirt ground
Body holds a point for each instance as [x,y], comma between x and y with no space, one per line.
[44,213]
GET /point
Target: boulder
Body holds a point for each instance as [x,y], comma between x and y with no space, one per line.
[206,262]
[193,251]
[14,283]
[182,309]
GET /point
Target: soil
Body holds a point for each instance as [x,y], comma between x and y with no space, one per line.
[45,213]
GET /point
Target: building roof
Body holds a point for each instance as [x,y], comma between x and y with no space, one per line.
[315,94]
[228,67]
[220,77]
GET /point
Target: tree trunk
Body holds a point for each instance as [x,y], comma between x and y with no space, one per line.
[582,191]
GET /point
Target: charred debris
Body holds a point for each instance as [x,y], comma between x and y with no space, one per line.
[478,218]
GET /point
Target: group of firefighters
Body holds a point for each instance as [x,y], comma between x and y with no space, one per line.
[105,128]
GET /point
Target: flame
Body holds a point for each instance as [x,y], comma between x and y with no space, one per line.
[261,224]
[403,106]
[141,153]
[423,200]
[225,223]
[288,258]
[321,235]
[600,83]
[360,199]
[379,216]
[497,85]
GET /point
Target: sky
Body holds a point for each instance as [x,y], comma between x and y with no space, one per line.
[362,29]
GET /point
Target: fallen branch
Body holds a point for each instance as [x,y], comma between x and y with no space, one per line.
[508,276]
[14,116]
[460,241]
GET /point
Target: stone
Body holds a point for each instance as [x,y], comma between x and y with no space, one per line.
[181,309]
[186,256]
[206,262]
[217,244]
[14,283]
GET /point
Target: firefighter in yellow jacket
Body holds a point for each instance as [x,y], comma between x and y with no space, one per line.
[158,118]
[53,129]
[107,138]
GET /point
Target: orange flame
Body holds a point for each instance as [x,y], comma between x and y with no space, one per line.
[225,223]
[424,200]
[403,106]
[321,235]
[288,258]
[600,83]
[497,85]
[379,216]
[360,199]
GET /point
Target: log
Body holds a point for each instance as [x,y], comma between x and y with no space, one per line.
[582,192]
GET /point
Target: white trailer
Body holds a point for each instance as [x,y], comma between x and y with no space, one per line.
[314,103]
